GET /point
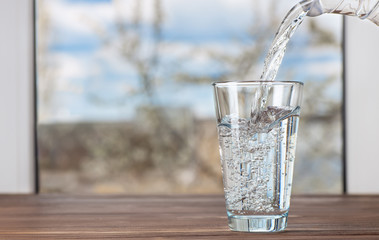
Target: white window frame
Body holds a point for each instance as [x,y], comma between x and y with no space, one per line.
[18,163]
[362,105]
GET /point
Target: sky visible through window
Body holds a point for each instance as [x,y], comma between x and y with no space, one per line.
[124,94]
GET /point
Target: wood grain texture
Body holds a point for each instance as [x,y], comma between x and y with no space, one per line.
[177,217]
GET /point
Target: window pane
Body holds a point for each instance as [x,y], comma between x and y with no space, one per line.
[125,102]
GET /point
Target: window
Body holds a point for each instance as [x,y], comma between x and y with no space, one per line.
[125,102]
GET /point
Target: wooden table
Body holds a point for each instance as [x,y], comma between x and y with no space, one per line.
[182,217]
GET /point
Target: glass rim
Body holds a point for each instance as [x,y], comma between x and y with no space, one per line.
[255,82]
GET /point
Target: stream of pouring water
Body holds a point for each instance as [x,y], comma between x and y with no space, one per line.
[287,28]
[359,8]
[276,53]
[364,9]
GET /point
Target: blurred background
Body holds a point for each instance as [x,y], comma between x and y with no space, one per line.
[125,103]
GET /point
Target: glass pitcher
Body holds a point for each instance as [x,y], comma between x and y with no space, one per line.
[364,9]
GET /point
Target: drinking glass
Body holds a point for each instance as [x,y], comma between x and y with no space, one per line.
[257,124]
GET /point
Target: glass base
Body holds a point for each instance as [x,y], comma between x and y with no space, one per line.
[262,223]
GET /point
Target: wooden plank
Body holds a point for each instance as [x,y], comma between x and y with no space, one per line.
[184,217]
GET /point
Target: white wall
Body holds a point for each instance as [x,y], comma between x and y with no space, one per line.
[362,79]
[16,97]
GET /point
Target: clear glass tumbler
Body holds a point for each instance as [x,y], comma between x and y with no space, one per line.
[257,129]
